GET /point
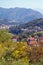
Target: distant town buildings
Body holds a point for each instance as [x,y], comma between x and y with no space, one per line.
[3,26]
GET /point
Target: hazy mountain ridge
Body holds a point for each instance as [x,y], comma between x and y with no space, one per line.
[19,14]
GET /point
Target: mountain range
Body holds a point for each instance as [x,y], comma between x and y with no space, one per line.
[18,15]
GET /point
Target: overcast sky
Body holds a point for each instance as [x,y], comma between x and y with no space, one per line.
[34,4]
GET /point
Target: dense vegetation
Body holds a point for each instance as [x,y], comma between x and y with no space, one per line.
[18,53]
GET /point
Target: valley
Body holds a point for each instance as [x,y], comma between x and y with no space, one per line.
[21,37]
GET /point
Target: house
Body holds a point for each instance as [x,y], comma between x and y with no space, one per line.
[36,38]
[31,41]
[14,39]
[41,40]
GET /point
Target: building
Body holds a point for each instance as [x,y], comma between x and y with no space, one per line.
[41,41]
[31,41]
[14,39]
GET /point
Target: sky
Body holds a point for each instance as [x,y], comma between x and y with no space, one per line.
[34,4]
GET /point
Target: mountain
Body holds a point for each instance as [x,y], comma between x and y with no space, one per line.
[40,10]
[19,15]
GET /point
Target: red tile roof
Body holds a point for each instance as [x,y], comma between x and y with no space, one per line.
[32,41]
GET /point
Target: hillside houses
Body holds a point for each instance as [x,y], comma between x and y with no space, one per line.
[41,41]
[31,41]
[3,26]
[35,41]
[31,30]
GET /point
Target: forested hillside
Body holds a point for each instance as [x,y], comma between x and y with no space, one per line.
[28,28]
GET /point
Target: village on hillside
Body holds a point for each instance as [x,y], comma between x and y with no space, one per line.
[36,40]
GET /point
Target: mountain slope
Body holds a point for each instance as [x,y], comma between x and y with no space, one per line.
[28,28]
[19,14]
[37,22]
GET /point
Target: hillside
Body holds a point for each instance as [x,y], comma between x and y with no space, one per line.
[28,28]
[37,22]
[19,15]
